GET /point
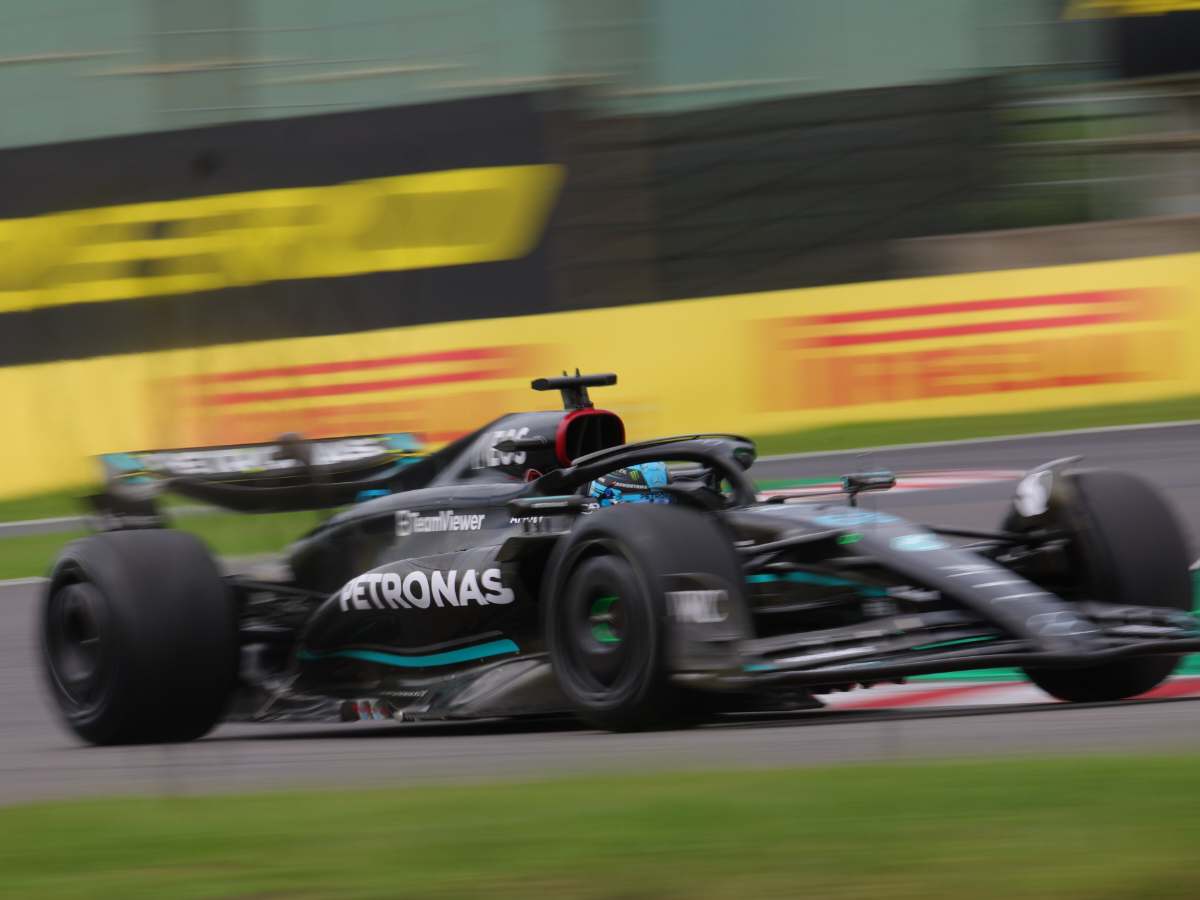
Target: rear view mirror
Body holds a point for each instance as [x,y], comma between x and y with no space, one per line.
[857,482]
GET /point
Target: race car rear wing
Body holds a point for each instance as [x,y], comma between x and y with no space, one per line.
[291,473]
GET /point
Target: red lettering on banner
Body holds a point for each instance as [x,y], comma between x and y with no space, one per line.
[817,362]
[368,395]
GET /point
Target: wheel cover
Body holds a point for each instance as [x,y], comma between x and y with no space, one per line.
[602,646]
[76,651]
[599,650]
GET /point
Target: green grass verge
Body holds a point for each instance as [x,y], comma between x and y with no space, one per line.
[42,506]
[228,534]
[1081,828]
[66,502]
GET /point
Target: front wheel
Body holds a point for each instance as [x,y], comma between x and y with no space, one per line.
[607,620]
[1128,549]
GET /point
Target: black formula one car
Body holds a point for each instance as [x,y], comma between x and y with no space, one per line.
[493,578]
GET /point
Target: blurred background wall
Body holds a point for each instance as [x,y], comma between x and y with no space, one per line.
[72,69]
[171,217]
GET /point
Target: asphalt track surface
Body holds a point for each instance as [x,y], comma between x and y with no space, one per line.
[39,760]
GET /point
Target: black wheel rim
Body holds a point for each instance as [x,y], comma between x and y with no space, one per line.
[600,637]
[75,646]
[598,631]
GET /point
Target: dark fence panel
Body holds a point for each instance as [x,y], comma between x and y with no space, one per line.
[808,190]
[768,195]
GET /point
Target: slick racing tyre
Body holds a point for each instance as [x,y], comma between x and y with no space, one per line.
[606,615]
[1128,549]
[139,637]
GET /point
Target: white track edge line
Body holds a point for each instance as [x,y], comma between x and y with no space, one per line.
[51,520]
[807,454]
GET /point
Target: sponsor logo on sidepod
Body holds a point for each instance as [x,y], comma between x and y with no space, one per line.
[443,520]
[391,590]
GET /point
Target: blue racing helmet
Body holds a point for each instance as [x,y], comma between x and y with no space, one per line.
[642,483]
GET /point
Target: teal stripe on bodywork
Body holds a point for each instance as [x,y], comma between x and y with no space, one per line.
[402,442]
[955,643]
[125,462]
[867,590]
[448,658]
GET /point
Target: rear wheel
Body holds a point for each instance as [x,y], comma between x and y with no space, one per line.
[1128,549]
[606,616]
[139,638]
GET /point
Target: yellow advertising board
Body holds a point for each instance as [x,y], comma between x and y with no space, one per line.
[209,243]
[960,345]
